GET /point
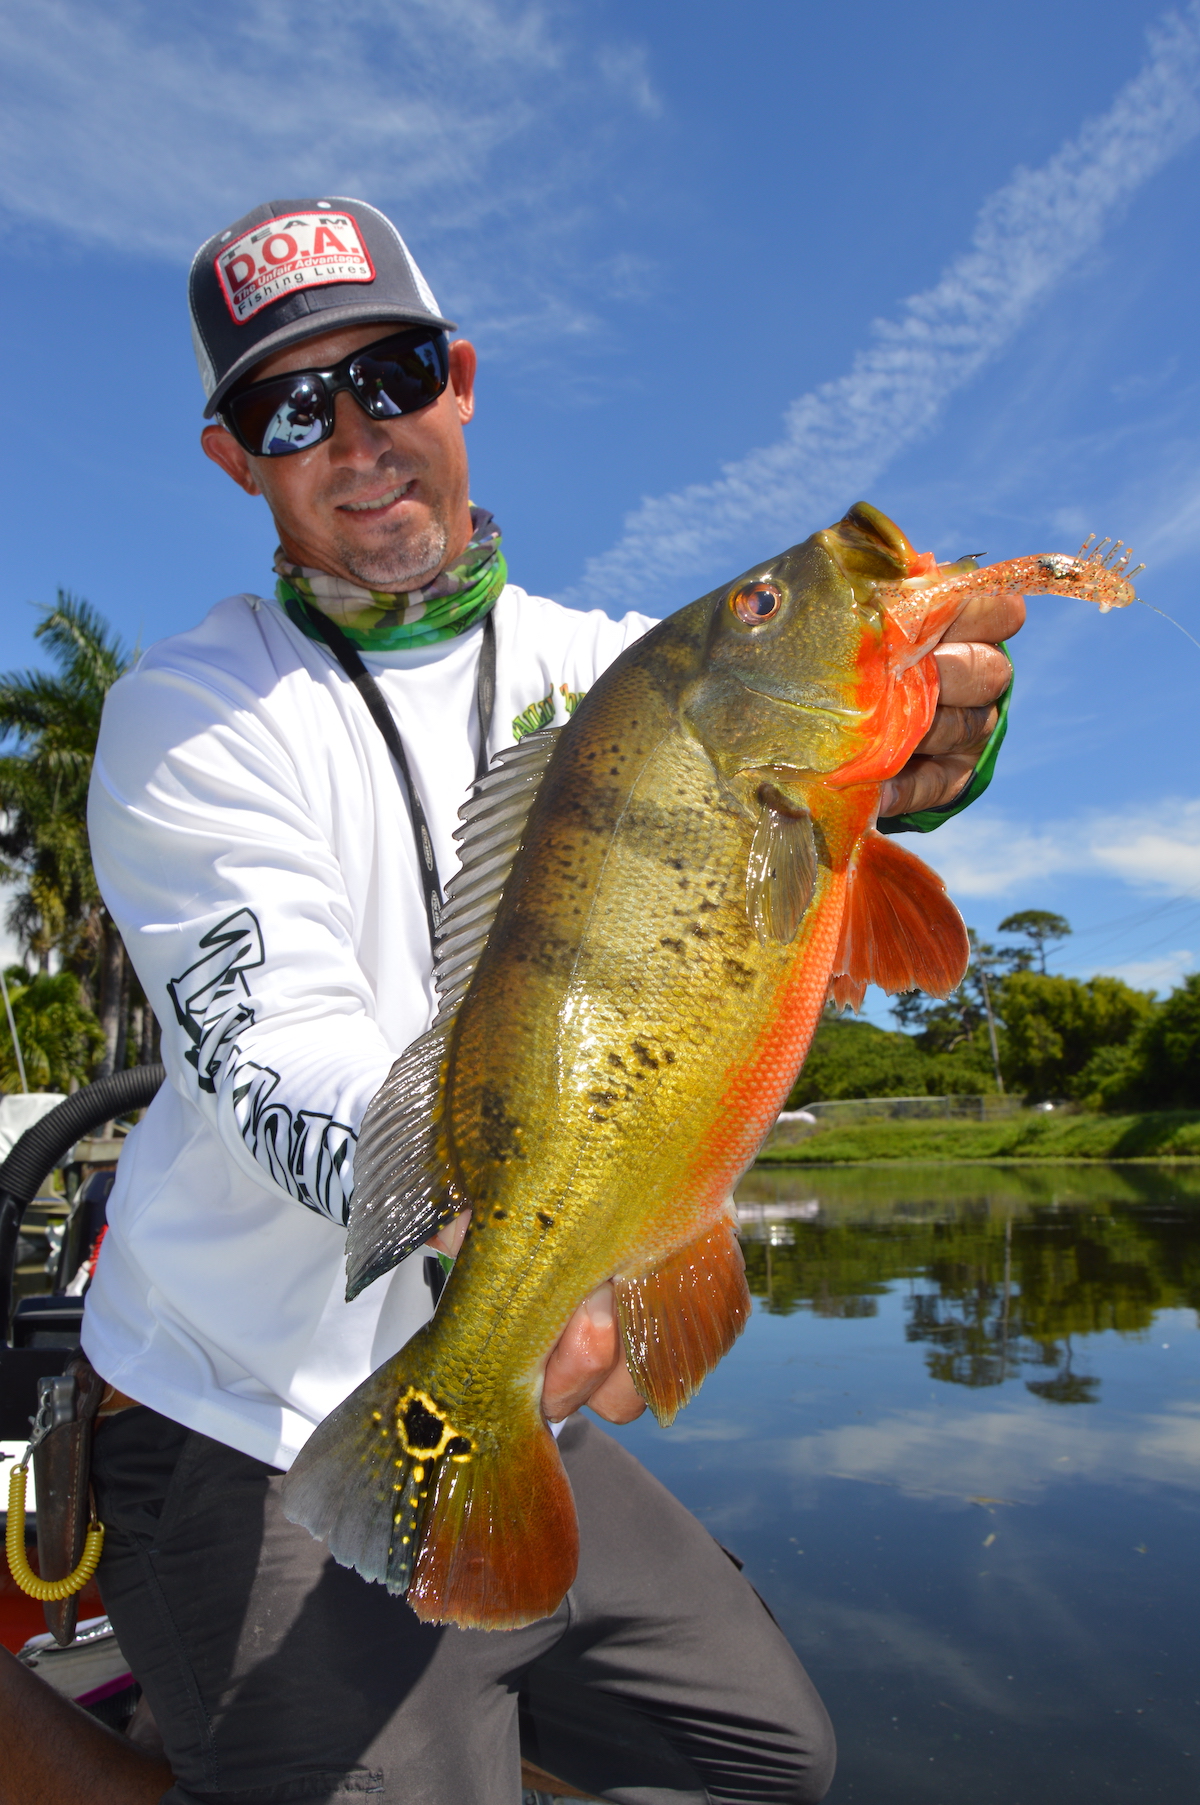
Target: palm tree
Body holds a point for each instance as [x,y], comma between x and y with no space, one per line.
[60,1039]
[54,719]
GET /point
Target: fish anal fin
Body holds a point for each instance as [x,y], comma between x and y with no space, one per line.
[781,873]
[900,929]
[680,1319]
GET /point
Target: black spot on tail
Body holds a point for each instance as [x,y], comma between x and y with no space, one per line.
[422,1430]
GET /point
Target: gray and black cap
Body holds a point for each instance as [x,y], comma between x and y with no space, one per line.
[289,270]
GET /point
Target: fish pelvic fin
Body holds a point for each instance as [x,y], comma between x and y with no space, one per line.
[476,1526]
[404,1182]
[679,1320]
[900,929]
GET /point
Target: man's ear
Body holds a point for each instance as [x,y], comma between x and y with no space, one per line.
[220,445]
[462,377]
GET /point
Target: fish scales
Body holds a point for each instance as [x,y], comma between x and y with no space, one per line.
[645,956]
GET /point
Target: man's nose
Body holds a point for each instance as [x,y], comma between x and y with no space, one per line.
[356,437]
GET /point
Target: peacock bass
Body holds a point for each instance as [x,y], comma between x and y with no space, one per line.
[654,904]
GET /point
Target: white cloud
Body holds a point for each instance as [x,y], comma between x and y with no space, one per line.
[143,129]
[1010,1454]
[838,438]
[1155,847]
[1161,974]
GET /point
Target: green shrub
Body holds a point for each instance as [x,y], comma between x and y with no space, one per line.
[856,1059]
[1056,1029]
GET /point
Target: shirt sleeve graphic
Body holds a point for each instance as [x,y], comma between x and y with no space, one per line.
[303,1151]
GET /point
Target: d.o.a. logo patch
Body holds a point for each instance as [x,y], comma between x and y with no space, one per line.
[299,250]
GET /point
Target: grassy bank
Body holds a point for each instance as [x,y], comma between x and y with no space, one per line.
[1154,1135]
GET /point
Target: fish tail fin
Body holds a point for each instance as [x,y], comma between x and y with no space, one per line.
[476,1525]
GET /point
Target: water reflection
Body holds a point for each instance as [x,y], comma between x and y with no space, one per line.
[1004,1266]
[990,1587]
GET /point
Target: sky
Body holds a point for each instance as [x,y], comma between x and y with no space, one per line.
[728,268]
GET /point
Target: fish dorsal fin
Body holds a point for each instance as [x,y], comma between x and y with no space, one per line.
[493,823]
[900,930]
[403,1187]
[680,1319]
[781,873]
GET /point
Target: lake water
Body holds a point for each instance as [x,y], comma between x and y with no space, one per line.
[958,1449]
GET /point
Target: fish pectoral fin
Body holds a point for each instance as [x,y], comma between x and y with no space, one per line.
[781,873]
[402,1189]
[900,930]
[679,1320]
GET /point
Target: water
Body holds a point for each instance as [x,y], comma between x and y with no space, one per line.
[958,1449]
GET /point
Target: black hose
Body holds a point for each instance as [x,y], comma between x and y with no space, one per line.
[46,1144]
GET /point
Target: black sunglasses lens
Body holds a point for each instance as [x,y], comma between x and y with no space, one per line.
[274,418]
[401,375]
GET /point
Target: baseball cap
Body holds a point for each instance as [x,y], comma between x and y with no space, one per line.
[289,270]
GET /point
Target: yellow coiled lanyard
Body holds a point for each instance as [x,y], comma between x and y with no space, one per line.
[47,1591]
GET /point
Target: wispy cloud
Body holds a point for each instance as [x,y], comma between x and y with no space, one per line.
[838,438]
[1161,974]
[1007,1453]
[1155,847]
[143,129]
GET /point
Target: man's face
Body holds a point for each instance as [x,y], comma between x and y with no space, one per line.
[382,503]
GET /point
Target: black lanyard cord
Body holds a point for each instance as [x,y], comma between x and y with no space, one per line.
[347,655]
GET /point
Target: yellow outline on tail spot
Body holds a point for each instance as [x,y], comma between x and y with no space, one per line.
[448,1432]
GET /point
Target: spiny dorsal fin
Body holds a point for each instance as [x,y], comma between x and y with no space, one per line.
[403,1190]
[493,823]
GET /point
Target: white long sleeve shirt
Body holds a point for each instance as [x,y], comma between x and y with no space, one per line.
[253,844]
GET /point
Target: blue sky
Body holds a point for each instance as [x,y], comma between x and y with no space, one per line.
[729,267]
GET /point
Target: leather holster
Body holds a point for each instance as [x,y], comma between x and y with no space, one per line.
[62,1465]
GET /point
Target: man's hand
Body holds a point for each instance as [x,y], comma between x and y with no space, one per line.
[973,673]
[586,1365]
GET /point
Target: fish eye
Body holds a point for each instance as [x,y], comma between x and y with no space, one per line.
[756,602]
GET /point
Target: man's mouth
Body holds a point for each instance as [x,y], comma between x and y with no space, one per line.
[379,502]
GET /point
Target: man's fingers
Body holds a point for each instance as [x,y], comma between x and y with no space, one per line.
[449,1237]
[959,730]
[987,617]
[971,674]
[926,783]
[588,1367]
[617,1400]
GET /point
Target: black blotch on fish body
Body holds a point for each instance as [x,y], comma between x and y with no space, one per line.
[739,975]
[500,1133]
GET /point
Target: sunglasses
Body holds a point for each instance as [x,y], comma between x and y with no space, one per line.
[397,375]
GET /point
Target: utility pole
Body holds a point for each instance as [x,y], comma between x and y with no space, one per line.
[981,964]
[12,1028]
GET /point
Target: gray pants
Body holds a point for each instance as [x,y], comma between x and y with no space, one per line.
[276,1675]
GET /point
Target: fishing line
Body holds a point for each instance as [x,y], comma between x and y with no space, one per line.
[1173,621]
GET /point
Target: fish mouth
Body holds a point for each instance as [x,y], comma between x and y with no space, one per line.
[838,711]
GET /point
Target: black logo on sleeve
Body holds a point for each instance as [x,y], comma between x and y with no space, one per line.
[302,1150]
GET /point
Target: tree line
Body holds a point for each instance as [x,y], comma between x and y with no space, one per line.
[76,1003]
[1012,1026]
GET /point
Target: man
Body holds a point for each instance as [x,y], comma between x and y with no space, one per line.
[273,870]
